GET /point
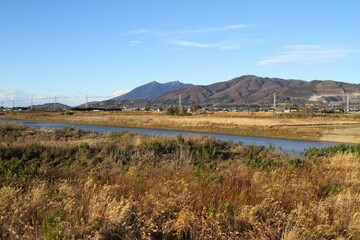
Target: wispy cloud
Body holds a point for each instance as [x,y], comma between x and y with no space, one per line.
[120,92]
[221,46]
[8,97]
[203,36]
[135,42]
[8,94]
[192,44]
[306,54]
[40,96]
[21,98]
[216,29]
[226,28]
[140,31]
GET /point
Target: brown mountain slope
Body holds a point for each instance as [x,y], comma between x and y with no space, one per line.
[251,89]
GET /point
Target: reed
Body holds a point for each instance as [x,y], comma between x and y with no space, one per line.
[344,128]
[71,184]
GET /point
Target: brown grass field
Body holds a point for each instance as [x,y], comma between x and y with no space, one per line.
[70,184]
[342,128]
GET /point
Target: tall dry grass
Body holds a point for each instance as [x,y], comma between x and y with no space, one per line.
[297,125]
[70,184]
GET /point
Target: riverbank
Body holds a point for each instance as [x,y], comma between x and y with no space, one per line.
[71,184]
[343,128]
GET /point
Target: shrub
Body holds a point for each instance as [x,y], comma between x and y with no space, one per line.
[51,228]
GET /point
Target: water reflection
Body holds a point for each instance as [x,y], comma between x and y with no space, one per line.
[286,145]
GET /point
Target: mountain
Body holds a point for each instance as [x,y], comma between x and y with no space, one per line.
[251,89]
[50,106]
[244,90]
[152,90]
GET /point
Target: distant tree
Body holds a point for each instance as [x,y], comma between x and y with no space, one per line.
[171,110]
[176,110]
[195,107]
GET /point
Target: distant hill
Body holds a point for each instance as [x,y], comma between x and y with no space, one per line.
[152,90]
[117,104]
[89,104]
[251,89]
[50,106]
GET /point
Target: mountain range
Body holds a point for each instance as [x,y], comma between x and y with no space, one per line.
[249,89]
[244,90]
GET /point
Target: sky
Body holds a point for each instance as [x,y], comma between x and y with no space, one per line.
[71,49]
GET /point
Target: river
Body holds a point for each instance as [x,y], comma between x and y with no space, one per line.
[286,145]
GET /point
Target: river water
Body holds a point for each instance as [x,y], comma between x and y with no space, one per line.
[286,145]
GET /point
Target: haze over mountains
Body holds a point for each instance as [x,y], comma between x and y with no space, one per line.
[244,90]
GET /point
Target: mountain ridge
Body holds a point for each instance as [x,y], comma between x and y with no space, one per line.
[250,89]
[151,90]
[243,90]
[49,106]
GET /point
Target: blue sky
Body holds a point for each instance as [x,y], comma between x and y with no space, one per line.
[73,48]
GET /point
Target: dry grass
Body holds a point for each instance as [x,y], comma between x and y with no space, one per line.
[335,128]
[69,184]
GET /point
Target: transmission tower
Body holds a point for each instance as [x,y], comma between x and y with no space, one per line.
[343,99]
[274,101]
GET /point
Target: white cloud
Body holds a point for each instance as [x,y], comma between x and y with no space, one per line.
[217,29]
[119,92]
[190,31]
[39,96]
[306,54]
[192,44]
[171,37]
[9,94]
[140,31]
[135,43]
[8,97]
[221,46]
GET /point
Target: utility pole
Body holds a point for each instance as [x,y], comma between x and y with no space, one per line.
[55,104]
[13,104]
[347,102]
[179,101]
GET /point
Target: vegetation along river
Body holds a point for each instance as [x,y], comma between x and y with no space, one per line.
[286,145]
